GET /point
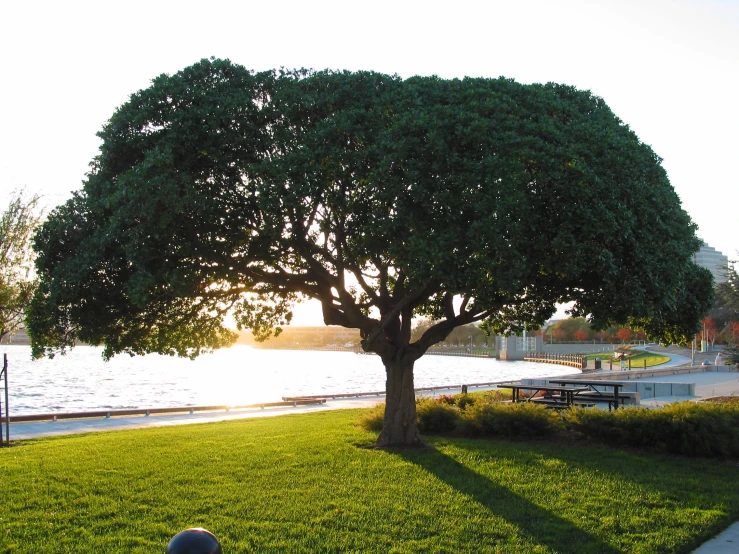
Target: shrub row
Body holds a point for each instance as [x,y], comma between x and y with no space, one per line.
[685,428]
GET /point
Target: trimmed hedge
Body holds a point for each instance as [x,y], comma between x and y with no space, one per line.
[685,428]
[508,420]
[436,417]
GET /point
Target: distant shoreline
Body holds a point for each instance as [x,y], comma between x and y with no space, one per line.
[20,338]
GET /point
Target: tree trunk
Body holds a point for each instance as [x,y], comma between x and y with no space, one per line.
[399,426]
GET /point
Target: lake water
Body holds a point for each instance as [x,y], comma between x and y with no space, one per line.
[81,380]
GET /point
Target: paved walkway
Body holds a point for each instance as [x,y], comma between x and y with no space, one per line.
[30,430]
[724,543]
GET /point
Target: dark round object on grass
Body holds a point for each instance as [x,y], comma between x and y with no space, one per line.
[194,541]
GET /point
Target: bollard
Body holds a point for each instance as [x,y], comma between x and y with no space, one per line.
[194,541]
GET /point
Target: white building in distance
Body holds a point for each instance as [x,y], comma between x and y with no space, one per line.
[713,260]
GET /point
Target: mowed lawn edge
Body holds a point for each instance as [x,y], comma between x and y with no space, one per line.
[309,483]
[637,360]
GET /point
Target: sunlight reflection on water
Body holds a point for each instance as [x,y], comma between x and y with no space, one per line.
[238,375]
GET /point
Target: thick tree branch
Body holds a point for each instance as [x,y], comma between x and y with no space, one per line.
[359,276]
[465,301]
[441,330]
[409,302]
[448,301]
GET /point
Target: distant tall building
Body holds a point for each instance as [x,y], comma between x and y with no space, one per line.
[712,260]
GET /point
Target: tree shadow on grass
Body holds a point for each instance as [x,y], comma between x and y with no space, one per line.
[538,524]
[707,485]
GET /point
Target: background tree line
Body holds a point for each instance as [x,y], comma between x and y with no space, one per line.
[18,223]
[578,329]
[720,326]
[463,335]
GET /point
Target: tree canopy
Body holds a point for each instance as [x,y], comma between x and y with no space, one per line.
[17,225]
[219,191]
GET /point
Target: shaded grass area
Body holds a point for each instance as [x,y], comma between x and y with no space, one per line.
[306,483]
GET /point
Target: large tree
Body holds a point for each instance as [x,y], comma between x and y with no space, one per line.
[17,225]
[223,191]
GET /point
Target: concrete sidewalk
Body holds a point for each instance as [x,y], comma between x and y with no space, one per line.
[36,429]
[726,542]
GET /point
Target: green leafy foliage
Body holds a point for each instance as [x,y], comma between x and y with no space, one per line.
[222,191]
[567,329]
[218,189]
[464,400]
[436,417]
[731,355]
[522,419]
[725,311]
[371,419]
[727,293]
[679,320]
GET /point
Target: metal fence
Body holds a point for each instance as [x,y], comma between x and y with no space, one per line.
[4,439]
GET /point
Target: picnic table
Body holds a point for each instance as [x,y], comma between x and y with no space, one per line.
[594,395]
[554,396]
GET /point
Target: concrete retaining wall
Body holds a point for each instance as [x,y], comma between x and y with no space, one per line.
[618,375]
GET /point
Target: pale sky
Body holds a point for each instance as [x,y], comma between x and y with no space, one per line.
[669,69]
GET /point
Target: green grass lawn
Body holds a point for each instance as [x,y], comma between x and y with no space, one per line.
[306,483]
[637,358]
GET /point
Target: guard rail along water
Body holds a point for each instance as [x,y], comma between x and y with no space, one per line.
[4,440]
[324,397]
[150,411]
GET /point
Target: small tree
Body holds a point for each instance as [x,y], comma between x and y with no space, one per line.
[730,332]
[709,330]
[731,354]
[218,190]
[581,335]
[624,334]
[17,225]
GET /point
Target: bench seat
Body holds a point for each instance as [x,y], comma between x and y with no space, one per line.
[549,403]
